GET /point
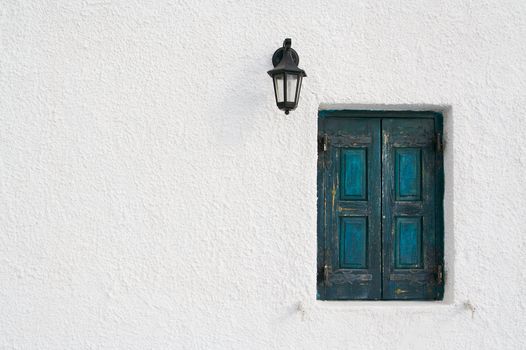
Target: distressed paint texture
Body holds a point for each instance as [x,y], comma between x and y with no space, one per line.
[152,196]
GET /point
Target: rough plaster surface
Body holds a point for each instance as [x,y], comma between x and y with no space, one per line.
[153,197]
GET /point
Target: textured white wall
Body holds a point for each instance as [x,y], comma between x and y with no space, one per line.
[152,195]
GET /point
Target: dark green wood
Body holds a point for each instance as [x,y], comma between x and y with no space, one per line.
[353,242]
[408,175]
[354,216]
[322,218]
[408,242]
[353,174]
[379,114]
[402,211]
[402,281]
[439,209]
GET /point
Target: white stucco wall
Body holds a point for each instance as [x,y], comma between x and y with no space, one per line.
[152,195]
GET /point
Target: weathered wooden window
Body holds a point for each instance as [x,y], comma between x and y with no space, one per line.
[380,213]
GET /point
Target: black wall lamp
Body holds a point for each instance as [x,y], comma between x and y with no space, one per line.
[287,77]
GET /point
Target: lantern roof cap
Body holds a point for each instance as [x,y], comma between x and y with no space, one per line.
[286,60]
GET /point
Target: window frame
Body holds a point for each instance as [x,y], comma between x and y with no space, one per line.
[438,121]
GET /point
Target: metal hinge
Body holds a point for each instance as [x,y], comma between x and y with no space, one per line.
[439,142]
[440,274]
[323,142]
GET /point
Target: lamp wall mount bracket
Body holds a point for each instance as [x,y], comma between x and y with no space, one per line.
[278,54]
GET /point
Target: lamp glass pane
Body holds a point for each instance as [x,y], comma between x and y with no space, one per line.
[292,83]
[279,88]
[298,90]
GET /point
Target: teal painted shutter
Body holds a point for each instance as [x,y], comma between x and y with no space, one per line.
[409,201]
[380,214]
[349,255]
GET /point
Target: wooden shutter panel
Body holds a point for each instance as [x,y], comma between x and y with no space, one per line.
[409,200]
[349,191]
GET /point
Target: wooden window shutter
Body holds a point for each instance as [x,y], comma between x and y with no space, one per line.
[380,185]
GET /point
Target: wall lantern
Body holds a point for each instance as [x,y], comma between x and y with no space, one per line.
[287,77]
